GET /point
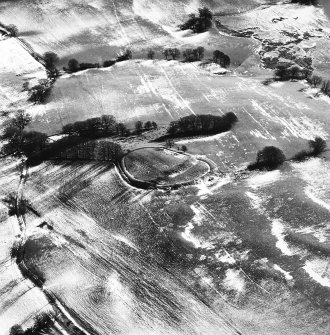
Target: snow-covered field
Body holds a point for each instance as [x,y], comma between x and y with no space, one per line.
[236,251]
[17,67]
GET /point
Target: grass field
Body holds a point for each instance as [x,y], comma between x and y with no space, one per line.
[164,166]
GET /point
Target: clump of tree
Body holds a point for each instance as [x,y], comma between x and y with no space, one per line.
[93,150]
[305,2]
[294,72]
[108,63]
[106,125]
[172,52]
[74,66]
[42,325]
[40,93]
[269,158]
[202,124]
[20,142]
[92,127]
[12,29]
[220,58]
[200,23]
[194,55]
[316,147]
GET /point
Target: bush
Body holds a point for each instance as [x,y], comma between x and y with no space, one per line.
[318,146]
[268,158]
[86,66]
[301,155]
[127,55]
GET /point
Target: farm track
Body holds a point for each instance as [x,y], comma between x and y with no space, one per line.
[57,305]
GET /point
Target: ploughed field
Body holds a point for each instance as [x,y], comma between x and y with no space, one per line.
[163,166]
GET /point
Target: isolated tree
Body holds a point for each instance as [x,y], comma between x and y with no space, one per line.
[169,143]
[151,54]
[21,119]
[51,59]
[318,145]
[138,127]
[148,125]
[315,80]
[121,129]
[175,53]
[166,54]
[154,125]
[325,88]
[108,123]
[270,157]
[73,65]
[13,30]
[200,52]
[184,148]
[220,58]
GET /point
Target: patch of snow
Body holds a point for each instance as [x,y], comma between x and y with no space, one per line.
[286,273]
[216,137]
[198,219]
[313,268]
[208,188]
[234,280]
[264,179]
[126,241]
[278,231]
